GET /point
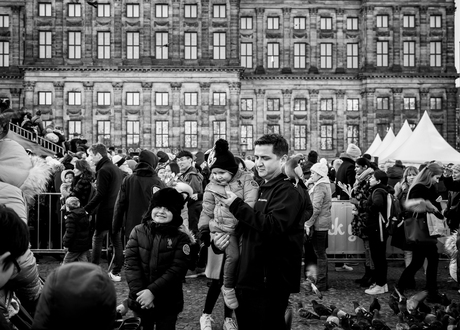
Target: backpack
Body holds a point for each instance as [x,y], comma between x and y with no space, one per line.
[394,212]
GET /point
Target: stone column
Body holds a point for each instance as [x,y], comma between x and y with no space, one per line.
[340,119]
[29,87]
[89,124]
[234,36]
[314,51]
[205,34]
[117,37]
[286,41]
[205,136]
[16,28]
[313,118]
[341,44]
[397,107]
[370,58]
[396,39]
[424,101]
[423,52]
[176,40]
[286,114]
[58,112]
[259,36]
[119,126]
[145,42]
[15,102]
[259,108]
[368,118]
[450,40]
[234,114]
[146,115]
[177,128]
[452,127]
[58,37]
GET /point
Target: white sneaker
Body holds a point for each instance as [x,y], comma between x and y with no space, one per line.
[206,322]
[385,287]
[344,268]
[376,289]
[230,297]
[115,277]
[229,324]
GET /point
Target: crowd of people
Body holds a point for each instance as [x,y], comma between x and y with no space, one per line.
[248,224]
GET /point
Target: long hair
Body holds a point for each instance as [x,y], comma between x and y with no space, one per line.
[83,166]
[424,177]
[410,170]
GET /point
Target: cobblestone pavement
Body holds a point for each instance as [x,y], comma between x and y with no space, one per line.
[343,293]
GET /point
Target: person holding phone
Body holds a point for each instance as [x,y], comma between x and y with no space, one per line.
[216,217]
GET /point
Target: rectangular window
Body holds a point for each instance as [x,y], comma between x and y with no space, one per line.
[133,98]
[4,21]
[132,10]
[382,53]
[191,11]
[103,10]
[352,56]
[247,105]
[191,99]
[326,104]
[74,98]
[273,129]
[219,130]
[300,55]
[436,103]
[435,53]
[219,98]
[247,136]
[191,45]
[352,23]
[352,104]
[132,45]
[300,137]
[273,23]
[219,45]
[103,45]
[4,54]
[326,137]
[74,10]
[439,128]
[273,104]
[273,55]
[161,45]
[382,21]
[103,98]
[219,11]
[246,55]
[409,103]
[74,127]
[161,98]
[300,104]
[45,98]
[353,134]
[246,23]
[103,132]
[409,53]
[133,133]
[74,45]
[191,134]
[408,21]
[162,134]
[45,44]
[383,103]
[326,23]
[161,11]
[326,56]
[300,23]
[436,21]
[44,9]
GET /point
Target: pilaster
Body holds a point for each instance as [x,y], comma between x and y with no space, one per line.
[119,125]
[58,113]
[89,125]
[452,124]
[340,119]
[313,115]
[286,113]
[234,114]
[260,112]
[177,121]
[146,117]
[29,87]
[205,136]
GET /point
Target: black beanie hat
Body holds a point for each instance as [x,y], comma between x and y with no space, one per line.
[221,157]
[148,157]
[171,199]
[162,157]
[381,175]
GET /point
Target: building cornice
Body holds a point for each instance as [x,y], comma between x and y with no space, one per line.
[132,69]
[348,77]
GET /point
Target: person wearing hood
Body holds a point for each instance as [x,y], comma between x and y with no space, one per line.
[318,225]
[395,173]
[157,259]
[376,209]
[133,199]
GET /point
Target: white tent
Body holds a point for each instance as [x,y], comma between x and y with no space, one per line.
[425,144]
[375,144]
[386,143]
[404,133]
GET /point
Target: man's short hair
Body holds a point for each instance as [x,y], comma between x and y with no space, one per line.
[99,148]
[14,233]
[279,143]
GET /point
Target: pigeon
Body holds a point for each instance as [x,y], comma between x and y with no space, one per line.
[320,309]
[377,322]
[375,305]
[358,308]
[292,169]
[413,302]
[422,307]
[393,305]
[402,324]
[306,314]
[316,290]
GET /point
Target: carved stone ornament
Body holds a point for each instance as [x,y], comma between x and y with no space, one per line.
[397,90]
[352,34]
[146,85]
[176,86]
[450,10]
[89,85]
[286,11]
[340,93]
[370,91]
[71,22]
[137,23]
[29,85]
[274,35]
[5,33]
[246,117]
[383,33]
[451,90]
[259,92]
[313,11]
[15,91]
[191,110]
[205,86]
[247,35]
[326,35]
[286,92]
[191,24]
[314,91]
[74,111]
[236,86]
[16,9]
[132,111]
[300,35]
[436,33]
[117,85]
[45,110]
[219,24]
[423,9]
[353,116]
[105,22]
[156,23]
[162,111]
[217,110]
[58,85]
[273,117]
[410,114]
[424,91]
[382,115]
[44,22]
[300,116]
[103,111]
[409,33]
[323,116]
[340,11]
[260,11]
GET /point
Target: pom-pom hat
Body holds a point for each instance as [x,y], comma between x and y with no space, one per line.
[221,157]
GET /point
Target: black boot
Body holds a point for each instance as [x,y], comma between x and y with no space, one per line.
[366,276]
[370,280]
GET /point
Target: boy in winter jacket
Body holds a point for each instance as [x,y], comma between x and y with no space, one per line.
[77,238]
[157,257]
[216,218]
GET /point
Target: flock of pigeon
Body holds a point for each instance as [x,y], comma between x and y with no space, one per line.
[413,314]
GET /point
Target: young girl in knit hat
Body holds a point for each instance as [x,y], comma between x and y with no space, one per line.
[216,218]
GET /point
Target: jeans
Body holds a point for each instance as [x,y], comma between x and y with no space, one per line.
[75,256]
[98,239]
[211,299]
[430,252]
[367,254]
[118,252]
[261,309]
[232,255]
[319,242]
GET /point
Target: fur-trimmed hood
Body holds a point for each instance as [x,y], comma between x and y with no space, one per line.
[451,245]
